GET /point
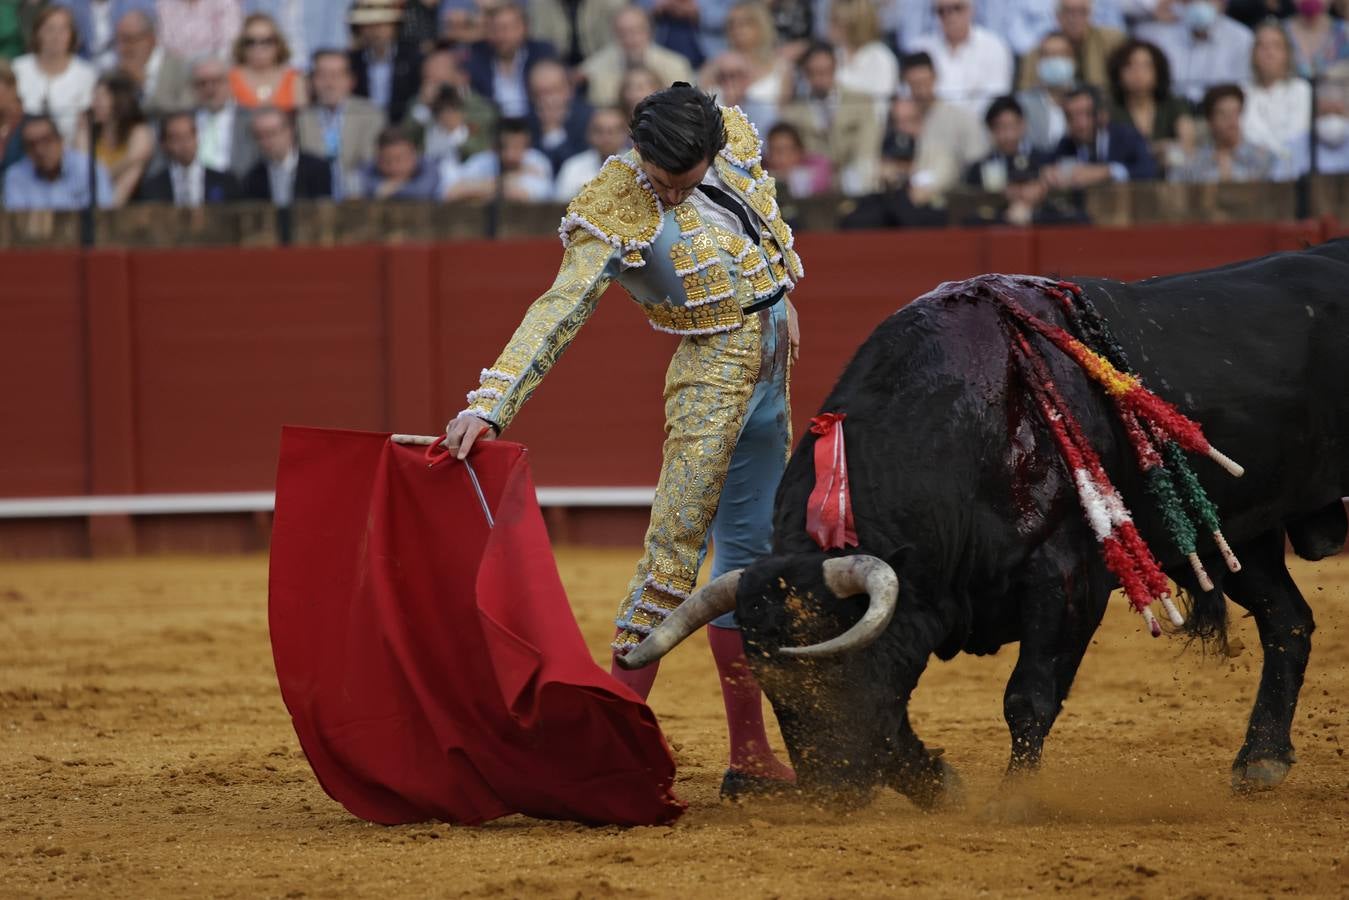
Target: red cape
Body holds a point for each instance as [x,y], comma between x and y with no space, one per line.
[431,664]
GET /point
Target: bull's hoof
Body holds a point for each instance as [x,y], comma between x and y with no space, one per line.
[737,787]
[952,797]
[1259,775]
[1015,807]
[940,790]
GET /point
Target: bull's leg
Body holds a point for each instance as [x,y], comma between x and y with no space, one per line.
[922,775]
[1058,622]
[1052,647]
[1284,619]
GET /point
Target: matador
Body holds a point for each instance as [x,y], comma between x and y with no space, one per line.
[688,223]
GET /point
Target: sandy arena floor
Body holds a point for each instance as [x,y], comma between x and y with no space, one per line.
[144,751]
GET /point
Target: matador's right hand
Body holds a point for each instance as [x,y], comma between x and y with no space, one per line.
[464,430]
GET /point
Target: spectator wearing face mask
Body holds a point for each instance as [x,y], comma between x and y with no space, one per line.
[1090,45]
[1318,41]
[1141,97]
[1226,155]
[1204,47]
[1042,100]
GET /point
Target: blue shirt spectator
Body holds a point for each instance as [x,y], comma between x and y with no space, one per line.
[50,176]
[1204,48]
[399,172]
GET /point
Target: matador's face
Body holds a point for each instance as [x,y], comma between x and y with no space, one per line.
[673,188]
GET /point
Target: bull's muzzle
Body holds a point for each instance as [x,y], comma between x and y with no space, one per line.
[845,576]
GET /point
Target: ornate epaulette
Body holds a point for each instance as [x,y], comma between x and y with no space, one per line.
[743,146]
[618,207]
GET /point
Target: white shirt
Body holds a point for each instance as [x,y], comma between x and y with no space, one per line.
[1221,56]
[871,70]
[64,98]
[713,213]
[100,45]
[972,73]
[215,137]
[189,184]
[1277,115]
[574,174]
[281,176]
[153,65]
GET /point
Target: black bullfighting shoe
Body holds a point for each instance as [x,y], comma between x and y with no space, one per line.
[737,786]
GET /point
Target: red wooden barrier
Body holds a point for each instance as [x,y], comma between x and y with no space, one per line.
[172,371]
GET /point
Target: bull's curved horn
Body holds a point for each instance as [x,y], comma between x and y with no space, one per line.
[708,602]
[851,575]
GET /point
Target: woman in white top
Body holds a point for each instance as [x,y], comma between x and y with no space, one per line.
[751,33]
[865,64]
[52,79]
[1278,105]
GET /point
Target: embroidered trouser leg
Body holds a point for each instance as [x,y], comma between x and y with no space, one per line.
[727,435]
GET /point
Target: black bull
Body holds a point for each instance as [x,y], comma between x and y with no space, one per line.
[959,488]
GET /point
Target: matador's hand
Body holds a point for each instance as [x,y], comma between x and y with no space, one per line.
[464,430]
[793,331]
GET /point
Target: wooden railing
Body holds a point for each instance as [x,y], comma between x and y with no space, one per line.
[363,222]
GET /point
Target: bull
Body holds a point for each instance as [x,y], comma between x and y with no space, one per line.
[970,533]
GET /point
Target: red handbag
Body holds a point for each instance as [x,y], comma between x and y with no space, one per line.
[426,651]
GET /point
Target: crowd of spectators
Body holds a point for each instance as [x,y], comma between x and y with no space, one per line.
[893,104]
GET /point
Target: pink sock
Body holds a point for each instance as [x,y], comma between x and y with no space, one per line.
[639,680]
[750,752]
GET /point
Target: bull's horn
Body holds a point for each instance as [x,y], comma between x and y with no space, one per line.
[851,575]
[708,602]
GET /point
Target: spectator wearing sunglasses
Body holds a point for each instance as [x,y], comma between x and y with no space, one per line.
[50,176]
[261,76]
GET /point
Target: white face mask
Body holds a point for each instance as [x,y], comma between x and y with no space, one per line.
[1200,15]
[1332,129]
[1055,71]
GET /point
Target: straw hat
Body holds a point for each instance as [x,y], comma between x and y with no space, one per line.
[376,12]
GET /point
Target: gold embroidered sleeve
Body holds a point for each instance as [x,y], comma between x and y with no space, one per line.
[548,327]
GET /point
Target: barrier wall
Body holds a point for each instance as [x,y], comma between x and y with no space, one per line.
[173,371]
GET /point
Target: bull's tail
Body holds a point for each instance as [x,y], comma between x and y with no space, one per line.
[1206,619]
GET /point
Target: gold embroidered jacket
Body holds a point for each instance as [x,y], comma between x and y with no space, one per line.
[689,277]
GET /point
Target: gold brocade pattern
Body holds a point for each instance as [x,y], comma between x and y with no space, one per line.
[720,315]
[616,207]
[742,140]
[549,325]
[707,393]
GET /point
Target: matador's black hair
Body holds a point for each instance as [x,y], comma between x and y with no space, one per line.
[677,128]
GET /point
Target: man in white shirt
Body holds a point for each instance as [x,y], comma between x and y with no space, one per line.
[222,127]
[1204,47]
[973,64]
[607,135]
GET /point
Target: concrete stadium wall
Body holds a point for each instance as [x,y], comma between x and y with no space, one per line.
[161,372]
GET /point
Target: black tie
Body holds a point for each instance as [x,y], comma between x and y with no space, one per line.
[727,202]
